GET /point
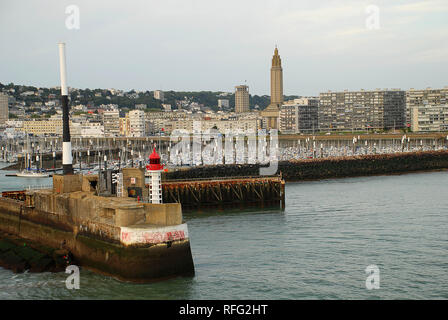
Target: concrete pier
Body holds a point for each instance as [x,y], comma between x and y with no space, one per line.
[117,236]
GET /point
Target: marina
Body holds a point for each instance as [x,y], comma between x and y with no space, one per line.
[91,153]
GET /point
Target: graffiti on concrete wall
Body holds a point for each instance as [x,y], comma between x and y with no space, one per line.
[153,235]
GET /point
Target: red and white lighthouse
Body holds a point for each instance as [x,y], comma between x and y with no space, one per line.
[155,178]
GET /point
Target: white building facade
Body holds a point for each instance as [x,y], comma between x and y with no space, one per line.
[136,123]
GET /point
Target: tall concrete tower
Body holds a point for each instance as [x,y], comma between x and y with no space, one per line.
[241,99]
[276,80]
[271,113]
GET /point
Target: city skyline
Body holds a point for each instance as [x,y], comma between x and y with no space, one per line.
[324,47]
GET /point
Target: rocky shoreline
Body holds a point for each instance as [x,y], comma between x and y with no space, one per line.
[20,255]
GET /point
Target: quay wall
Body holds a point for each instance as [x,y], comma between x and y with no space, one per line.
[121,237]
[92,249]
[325,168]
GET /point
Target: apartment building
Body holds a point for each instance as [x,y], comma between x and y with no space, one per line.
[223,103]
[299,116]
[241,99]
[185,121]
[136,123]
[111,123]
[43,127]
[169,121]
[92,130]
[362,110]
[427,109]
[124,125]
[4,109]
[158,94]
[235,125]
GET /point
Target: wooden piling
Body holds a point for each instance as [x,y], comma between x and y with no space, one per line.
[222,192]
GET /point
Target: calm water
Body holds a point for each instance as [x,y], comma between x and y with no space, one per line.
[318,248]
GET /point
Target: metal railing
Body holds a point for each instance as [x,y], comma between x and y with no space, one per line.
[221,178]
[39,187]
[26,188]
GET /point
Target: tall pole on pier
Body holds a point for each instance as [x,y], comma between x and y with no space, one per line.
[67,160]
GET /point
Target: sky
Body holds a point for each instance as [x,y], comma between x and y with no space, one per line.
[210,45]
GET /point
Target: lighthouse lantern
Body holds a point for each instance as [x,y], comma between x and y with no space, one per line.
[155,175]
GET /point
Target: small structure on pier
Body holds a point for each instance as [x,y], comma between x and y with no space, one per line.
[155,177]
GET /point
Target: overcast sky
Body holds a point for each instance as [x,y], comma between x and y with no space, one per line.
[194,45]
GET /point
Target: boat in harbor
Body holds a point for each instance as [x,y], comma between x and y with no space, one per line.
[32,174]
[31,170]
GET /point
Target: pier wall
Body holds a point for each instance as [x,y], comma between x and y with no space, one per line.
[166,214]
[325,168]
[108,235]
[155,261]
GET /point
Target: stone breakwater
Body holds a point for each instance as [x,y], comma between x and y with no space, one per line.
[325,168]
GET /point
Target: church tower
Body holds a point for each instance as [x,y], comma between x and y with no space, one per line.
[271,113]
